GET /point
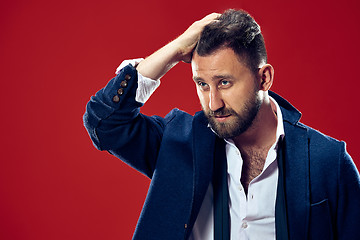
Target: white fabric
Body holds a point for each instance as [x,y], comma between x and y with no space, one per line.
[146,86]
[251,217]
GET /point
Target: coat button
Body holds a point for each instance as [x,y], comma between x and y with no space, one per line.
[127,77]
[120,91]
[123,84]
[116,99]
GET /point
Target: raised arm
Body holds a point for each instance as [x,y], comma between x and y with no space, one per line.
[113,119]
[180,49]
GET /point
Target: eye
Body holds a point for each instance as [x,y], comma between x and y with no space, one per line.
[224,82]
[202,85]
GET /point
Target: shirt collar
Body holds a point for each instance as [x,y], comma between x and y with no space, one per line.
[280,125]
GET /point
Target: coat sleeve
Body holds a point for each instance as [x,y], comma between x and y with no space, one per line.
[115,124]
[348,210]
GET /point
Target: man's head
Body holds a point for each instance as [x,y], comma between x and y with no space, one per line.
[237,30]
[230,71]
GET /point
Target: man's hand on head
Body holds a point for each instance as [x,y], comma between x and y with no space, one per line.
[180,49]
[187,41]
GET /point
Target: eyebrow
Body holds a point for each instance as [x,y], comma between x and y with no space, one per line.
[216,77]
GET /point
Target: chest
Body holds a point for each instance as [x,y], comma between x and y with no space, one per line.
[253,162]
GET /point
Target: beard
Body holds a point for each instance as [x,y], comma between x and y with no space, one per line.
[239,123]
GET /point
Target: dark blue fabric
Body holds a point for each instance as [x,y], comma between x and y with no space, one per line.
[322,185]
[281,223]
[221,193]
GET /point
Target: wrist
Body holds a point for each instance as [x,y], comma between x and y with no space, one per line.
[176,51]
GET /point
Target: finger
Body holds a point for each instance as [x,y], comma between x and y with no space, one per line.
[212,16]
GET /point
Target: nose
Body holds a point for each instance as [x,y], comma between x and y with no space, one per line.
[215,101]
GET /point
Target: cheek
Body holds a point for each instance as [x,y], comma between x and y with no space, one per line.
[234,99]
[203,98]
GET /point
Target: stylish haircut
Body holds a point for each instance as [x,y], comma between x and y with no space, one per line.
[237,30]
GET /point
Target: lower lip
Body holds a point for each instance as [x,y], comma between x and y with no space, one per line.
[222,119]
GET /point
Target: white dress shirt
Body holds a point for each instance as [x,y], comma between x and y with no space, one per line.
[252,216]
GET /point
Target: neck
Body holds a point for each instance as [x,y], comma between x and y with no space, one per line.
[262,132]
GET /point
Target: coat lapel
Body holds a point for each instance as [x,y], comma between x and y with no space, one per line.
[296,170]
[297,180]
[203,157]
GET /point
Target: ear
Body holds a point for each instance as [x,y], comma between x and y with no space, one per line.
[266,74]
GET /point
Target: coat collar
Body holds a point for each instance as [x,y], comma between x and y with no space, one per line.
[289,112]
[296,146]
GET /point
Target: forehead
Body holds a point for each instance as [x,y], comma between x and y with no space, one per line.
[222,61]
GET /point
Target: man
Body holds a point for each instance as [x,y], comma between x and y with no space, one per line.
[244,167]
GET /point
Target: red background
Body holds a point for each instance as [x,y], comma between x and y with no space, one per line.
[55,54]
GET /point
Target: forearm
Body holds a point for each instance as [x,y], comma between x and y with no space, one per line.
[160,62]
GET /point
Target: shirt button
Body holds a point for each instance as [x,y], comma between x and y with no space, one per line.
[244,225]
[240,188]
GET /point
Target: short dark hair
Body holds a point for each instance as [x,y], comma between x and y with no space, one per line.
[237,30]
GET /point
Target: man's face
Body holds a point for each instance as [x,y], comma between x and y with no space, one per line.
[228,92]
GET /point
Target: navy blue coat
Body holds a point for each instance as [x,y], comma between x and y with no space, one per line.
[322,184]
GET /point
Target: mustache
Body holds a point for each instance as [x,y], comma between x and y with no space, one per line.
[221,112]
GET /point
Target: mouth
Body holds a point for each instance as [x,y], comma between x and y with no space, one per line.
[222,118]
